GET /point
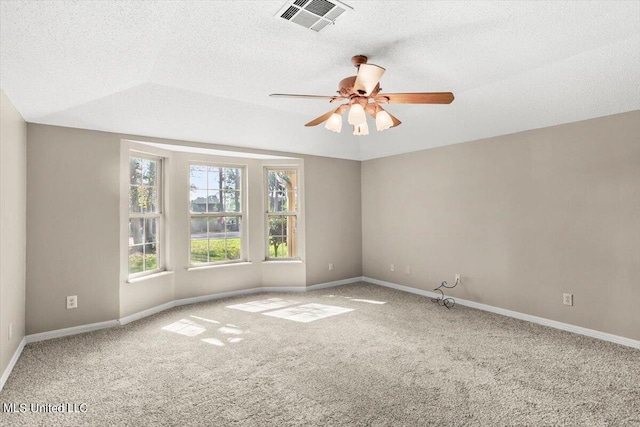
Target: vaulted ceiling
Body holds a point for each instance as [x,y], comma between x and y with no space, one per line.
[202,71]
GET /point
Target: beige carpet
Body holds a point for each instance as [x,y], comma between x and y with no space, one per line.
[407,362]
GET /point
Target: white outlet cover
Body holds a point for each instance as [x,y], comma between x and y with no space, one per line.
[567,299]
[72,302]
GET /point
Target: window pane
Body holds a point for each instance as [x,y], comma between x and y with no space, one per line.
[216,227]
[282,190]
[134,200]
[198,200]
[215,178]
[199,251]
[135,171]
[150,230]
[150,257]
[198,177]
[292,200]
[232,201]
[198,228]
[291,233]
[143,199]
[199,248]
[233,248]
[277,241]
[232,178]
[217,250]
[282,237]
[135,259]
[232,226]
[214,204]
[149,172]
[152,203]
[136,231]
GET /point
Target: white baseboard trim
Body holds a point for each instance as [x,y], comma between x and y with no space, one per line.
[211,297]
[403,288]
[517,315]
[148,312]
[12,363]
[334,283]
[71,331]
[283,289]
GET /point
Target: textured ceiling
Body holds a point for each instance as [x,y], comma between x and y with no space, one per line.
[202,71]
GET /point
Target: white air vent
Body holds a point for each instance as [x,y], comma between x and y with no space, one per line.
[313,14]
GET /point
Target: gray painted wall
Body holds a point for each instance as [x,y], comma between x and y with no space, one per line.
[524,218]
[73,198]
[13,202]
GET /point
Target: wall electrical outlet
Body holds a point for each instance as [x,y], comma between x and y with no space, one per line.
[10,330]
[393,267]
[567,299]
[72,302]
[330,267]
[458,278]
[408,269]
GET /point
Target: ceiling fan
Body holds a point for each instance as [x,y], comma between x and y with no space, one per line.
[362,95]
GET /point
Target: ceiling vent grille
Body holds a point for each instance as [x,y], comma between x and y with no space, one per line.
[313,14]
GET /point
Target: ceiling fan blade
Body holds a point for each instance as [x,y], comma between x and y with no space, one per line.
[415,98]
[322,118]
[368,77]
[330,98]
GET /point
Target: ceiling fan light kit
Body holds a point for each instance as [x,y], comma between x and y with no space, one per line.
[383,120]
[334,123]
[362,93]
[356,115]
[361,129]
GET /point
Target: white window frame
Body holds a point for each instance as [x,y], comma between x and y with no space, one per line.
[243,214]
[295,213]
[149,215]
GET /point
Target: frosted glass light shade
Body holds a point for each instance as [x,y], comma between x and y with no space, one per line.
[357,115]
[383,120]
[362,129]
[334,123]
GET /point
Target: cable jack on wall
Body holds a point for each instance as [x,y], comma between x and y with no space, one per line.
[442,300]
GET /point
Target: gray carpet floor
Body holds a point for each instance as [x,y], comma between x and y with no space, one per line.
[408,362]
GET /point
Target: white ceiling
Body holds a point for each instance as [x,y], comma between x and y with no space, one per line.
[202,71]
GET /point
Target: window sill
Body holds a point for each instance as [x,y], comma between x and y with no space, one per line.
[210,266]
[149,276]
[283,261]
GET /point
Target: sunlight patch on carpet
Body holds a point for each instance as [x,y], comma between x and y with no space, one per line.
[308,312]
[185,327]
[205,320]
[369,301]
[227,330]
[263,305]
[213,341]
